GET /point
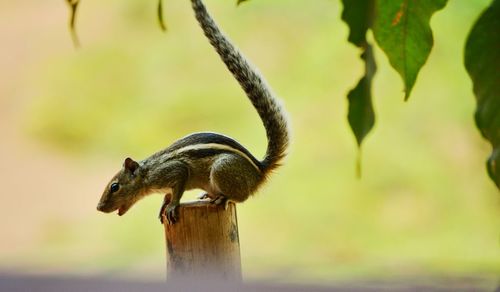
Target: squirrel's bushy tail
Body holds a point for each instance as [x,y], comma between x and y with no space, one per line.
[269,109]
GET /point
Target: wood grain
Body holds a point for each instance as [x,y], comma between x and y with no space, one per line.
[204,243]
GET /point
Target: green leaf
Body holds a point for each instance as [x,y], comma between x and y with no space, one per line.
[240,1]
[361,115]
[482,61]
[358,14]
[401,28]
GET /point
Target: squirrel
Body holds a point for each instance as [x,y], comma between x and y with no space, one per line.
[215,163]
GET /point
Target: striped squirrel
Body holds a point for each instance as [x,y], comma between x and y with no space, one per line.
[215,163]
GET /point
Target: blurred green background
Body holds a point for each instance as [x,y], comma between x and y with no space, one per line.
[68,118]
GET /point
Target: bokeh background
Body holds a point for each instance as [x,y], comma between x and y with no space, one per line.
[424,206]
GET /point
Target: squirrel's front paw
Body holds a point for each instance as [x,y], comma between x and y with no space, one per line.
[170,212]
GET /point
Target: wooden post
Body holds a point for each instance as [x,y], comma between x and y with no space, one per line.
[204,243]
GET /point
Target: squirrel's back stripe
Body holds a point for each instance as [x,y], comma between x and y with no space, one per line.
[200,144]
[213,149]
[208,138]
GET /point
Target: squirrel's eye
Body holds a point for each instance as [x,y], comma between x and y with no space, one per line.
[114,187]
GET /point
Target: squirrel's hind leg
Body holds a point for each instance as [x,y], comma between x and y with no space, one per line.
[234,178]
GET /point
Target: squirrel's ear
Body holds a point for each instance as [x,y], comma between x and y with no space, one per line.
[130,165]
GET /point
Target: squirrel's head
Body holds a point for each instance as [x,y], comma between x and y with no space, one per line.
[124,189]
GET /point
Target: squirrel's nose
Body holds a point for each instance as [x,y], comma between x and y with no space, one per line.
[100,206]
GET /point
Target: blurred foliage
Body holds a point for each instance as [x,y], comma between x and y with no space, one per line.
[482,59]
[161,20]
[402,30]
[424,207]
[73,6]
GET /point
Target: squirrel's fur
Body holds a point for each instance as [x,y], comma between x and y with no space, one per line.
[215,163]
